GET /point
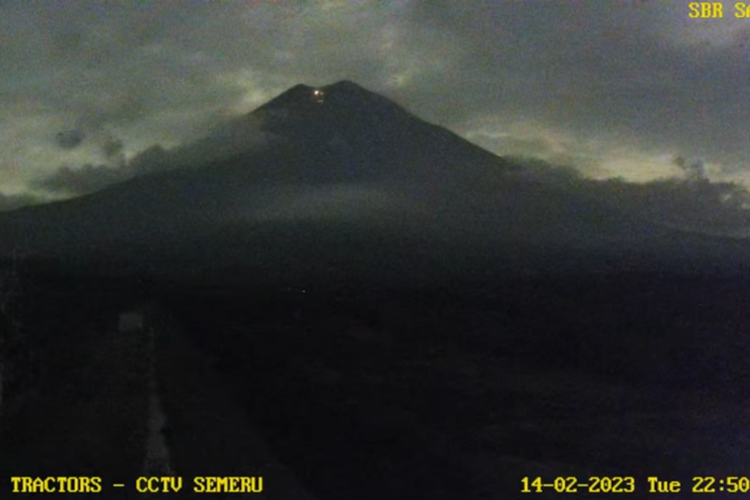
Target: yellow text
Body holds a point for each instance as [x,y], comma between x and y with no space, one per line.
[706,10]
[230,484]
[742,10]
[62,484]
[163,484]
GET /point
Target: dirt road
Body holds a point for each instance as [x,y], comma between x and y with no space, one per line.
[86,417]
[207,432]
[102,410]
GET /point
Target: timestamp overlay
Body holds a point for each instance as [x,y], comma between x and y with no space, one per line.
[628,485]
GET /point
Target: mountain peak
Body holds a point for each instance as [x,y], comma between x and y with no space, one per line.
[342,96]
[319,113]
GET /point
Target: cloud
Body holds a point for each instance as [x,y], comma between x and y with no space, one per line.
[237,136]
[68,139]
[693,203]
[694,171]
[601,68]
[612,88]
[709,207]
[166,75]
[112,148]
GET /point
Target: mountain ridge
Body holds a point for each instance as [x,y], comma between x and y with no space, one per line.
[347,165]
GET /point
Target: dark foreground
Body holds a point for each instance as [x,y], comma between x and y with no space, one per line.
[435,394]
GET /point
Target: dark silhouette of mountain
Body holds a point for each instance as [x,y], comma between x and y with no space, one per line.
[501,355]
[347,185]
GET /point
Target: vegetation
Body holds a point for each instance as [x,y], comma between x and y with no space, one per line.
[11,338]
[78,398]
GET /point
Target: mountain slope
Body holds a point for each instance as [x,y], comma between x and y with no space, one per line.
[347,184]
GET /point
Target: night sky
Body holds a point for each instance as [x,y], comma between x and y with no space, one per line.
[633,89]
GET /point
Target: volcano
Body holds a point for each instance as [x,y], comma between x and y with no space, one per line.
[340,183]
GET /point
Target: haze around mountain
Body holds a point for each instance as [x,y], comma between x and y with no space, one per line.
[339,181]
